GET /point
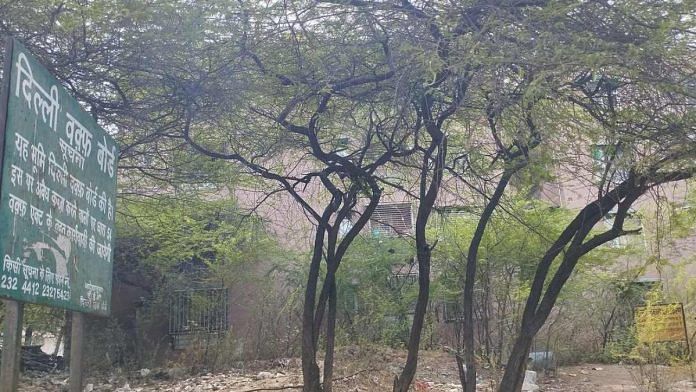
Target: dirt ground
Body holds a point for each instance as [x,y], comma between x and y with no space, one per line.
[360,370]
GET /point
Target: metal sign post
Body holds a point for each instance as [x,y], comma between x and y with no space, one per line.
[11,345]
[77,339]
[14,310]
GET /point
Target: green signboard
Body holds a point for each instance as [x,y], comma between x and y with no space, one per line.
[57,196]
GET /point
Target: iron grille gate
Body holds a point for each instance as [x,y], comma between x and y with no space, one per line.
[196,312]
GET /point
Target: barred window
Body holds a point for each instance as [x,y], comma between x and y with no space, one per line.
[393,219]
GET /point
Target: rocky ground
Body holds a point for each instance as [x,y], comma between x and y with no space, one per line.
[369,371]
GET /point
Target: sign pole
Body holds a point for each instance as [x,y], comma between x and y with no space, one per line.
[11,345]
[14,310]
[77,335]
[686,334]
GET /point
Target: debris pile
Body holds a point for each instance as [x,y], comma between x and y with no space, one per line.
[33,359]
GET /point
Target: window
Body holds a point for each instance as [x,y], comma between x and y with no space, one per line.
[641,288]
[452,311]
[403,275]
[449,214]
[344,227]
[342,147]
[196,313]
[448,219]
[632,222]
[392,220]
[604,155]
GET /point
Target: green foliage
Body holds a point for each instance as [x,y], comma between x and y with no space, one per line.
[174,244]
[171,232]
[593,309]
[375,295]
[510,241]
[43,318]
[634,343]
[107,345]
[682,212]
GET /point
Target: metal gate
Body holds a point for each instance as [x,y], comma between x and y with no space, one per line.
[196,312]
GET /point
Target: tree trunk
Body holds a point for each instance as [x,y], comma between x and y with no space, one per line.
[470,280]
[572,243]
[59,341]
[513,378]
[469,384]
[460,369]
[328,296]
[330,336]
[428,195]
[310,370]
[28,335]
[402,383]
[67,339]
